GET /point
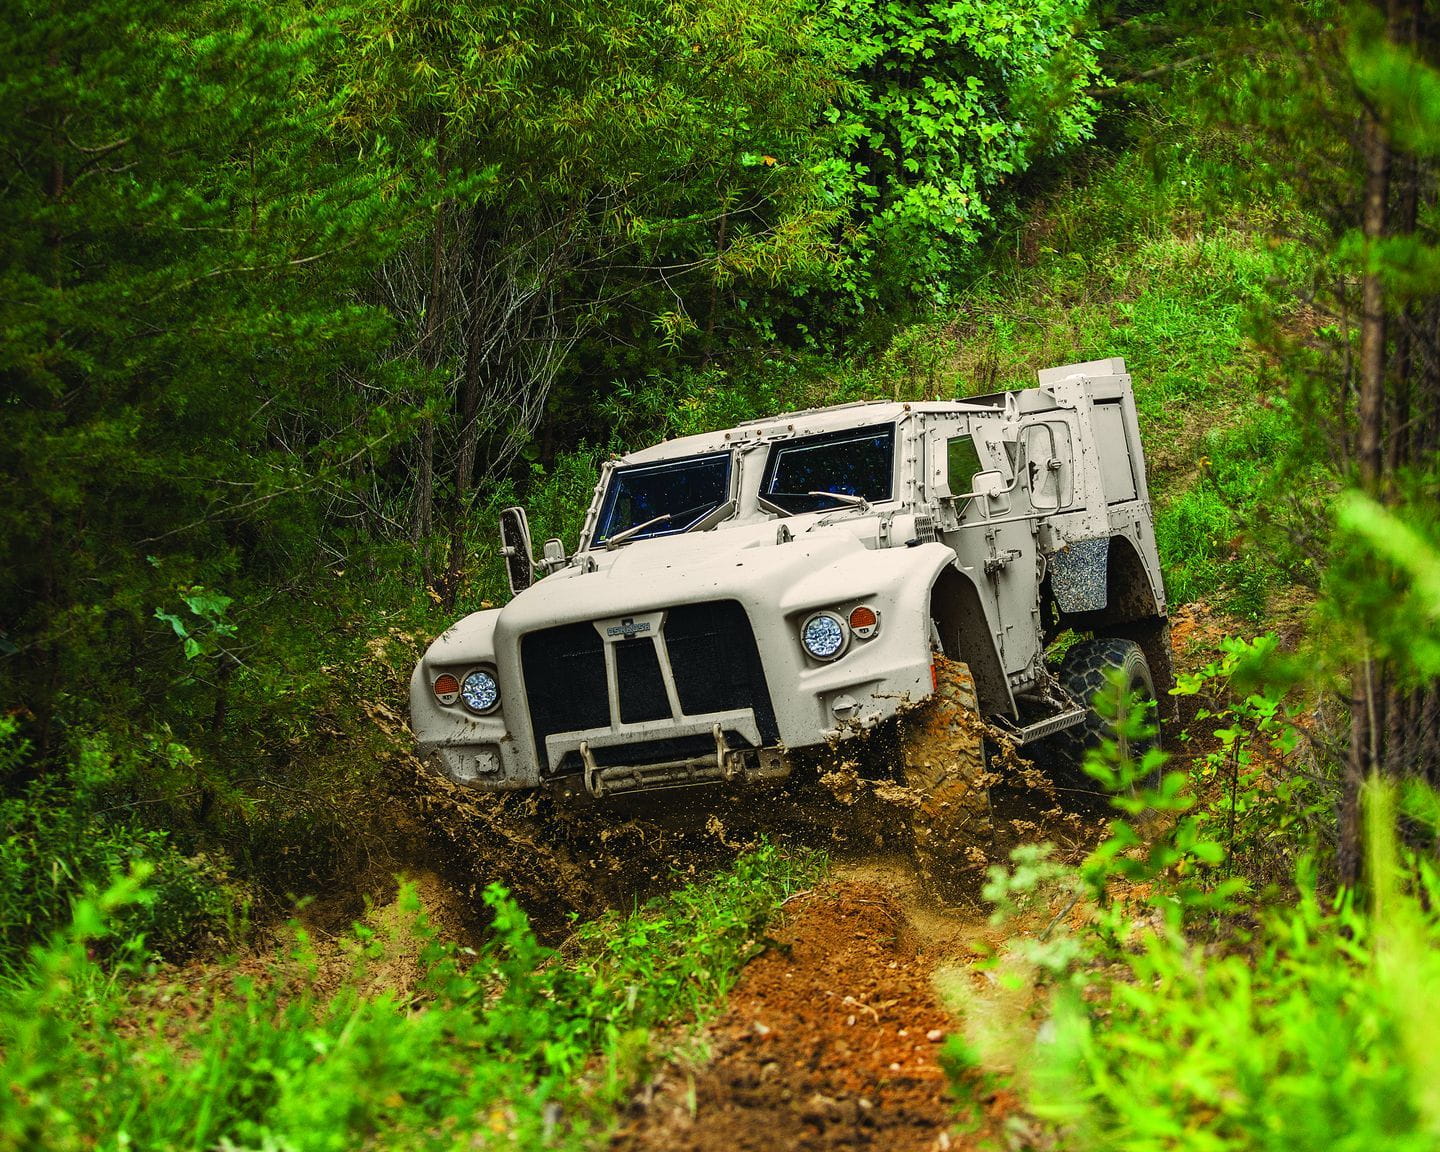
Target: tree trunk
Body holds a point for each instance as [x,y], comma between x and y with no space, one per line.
[1370,410]
[1365,732]
[467,411]
[1399,415]
[1412,737]
[432,354]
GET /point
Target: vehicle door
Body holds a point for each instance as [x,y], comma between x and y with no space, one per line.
[995,480]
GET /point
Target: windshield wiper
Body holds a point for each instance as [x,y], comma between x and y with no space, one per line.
[845,498]
[633,531]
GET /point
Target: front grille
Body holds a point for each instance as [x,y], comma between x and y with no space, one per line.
[712,655]
[564,671]
[642,687]
[716,664]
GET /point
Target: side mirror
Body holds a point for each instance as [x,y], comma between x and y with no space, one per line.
[553,554]
[989,484]
[516,548]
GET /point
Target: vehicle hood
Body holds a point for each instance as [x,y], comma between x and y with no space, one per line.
[743,563]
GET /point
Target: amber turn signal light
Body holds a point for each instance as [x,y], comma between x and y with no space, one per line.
[863,621]
[447,688]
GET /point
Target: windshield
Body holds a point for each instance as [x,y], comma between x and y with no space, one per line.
[856,462]
[687,490]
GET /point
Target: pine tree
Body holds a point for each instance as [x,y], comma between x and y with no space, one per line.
[1347,98]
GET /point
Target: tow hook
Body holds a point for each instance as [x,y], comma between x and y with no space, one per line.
[593,784]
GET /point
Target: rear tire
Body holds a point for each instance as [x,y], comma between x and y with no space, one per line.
[943,748]
[1085,673]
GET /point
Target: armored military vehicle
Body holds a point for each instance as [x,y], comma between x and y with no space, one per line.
[740,595]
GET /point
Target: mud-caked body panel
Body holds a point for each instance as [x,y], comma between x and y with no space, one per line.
[788,582]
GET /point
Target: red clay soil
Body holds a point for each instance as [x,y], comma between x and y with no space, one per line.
[832,1040]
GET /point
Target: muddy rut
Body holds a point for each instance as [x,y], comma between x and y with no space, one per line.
[834,1037]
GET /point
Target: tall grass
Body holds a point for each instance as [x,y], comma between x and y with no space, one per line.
[516,1047]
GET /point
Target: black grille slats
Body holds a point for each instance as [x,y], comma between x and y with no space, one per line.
[564,671]
[716,663]
[713,657]
[642,687]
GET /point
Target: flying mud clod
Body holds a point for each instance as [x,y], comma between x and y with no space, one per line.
[942,743]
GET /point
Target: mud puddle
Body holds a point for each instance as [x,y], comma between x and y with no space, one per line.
[834,1037]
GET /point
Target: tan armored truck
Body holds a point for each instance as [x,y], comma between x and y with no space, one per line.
[740,595]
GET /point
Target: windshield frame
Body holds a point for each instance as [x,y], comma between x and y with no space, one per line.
[836,436]
[609,492]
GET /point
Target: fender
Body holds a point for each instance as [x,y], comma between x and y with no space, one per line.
[468,642]
[916,585]
[969,631]
[469,639]
[901,576]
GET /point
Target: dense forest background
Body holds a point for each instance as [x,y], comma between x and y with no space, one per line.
[296,296]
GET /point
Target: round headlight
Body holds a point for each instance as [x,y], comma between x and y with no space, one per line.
[824,635]
[479,691]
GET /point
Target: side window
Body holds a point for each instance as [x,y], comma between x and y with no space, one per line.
[962,461]
[1048,472]
[854,462]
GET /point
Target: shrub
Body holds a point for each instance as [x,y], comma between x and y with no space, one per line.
[519,1046]
[58,849]
[1320,1034]
[1307,1024]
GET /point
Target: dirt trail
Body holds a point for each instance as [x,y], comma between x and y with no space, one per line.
[833,1038]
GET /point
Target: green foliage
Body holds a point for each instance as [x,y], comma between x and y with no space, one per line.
[522,1047]
[1397,78]
[1302,1024]
[182,339]
[1262,798]
[59,849]
[1174,864]
[1036,882]
[1310,87]
[606,177]
[1386,578]
[949,100]
[206,625]
[1318,1035]
[1159,252]
[1207,533]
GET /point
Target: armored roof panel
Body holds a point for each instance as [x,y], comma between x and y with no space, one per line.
[857,414]
[803,423]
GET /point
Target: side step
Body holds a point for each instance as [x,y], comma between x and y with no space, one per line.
[1049,726]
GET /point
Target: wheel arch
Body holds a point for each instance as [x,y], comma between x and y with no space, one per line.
[967,633]
[1134,610]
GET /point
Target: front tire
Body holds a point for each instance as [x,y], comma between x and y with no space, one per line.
[943,748]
